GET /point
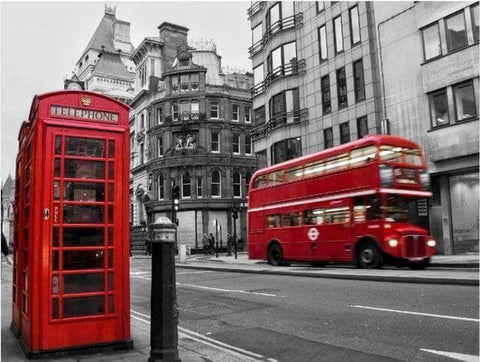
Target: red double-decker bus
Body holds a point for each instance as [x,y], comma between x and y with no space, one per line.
[350,203]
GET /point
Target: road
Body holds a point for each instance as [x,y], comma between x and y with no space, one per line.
[311,319]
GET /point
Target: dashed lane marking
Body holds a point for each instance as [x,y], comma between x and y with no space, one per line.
[418,313]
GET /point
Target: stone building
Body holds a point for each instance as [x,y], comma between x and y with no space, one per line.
[105,66]
[326,73]
[190,127]
[430,68]
[8,198]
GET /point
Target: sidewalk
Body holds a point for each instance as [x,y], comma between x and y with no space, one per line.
[191,348]
[453,270]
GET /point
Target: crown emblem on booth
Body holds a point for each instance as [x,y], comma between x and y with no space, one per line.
[86,101]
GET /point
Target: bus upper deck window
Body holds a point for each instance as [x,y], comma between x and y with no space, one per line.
[275,178]
[391,153]
[260,182]
[363,155]
[412,157]
[293,174]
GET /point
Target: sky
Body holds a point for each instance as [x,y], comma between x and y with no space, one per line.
[42,41]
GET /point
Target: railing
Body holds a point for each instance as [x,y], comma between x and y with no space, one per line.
[284,70]
[279,120]
[289,22]
[255,8]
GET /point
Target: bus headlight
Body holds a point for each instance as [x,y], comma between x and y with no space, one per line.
[386,175]
[393,243]
[431,243]
[425,179]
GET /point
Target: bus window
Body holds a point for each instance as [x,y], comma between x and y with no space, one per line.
[275,178]
[314,169]
[293,174]
[397,208]
[260,182]
[337,163]
[412,157]
[314,217]
[291,219]
[391,153]
[373,206]
[274,221]
[359,210]
[337,215]
[362,156]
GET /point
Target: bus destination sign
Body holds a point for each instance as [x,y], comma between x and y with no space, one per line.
[90,114]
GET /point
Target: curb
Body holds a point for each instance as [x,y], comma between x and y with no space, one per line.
[374,278]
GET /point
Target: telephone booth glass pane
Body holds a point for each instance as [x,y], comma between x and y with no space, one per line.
[85,147]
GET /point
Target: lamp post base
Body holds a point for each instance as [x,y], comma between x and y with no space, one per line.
[164,355]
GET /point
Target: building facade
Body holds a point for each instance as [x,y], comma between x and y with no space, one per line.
[105,66]
[8,198]
[326,73]
[430,65]
[191,127]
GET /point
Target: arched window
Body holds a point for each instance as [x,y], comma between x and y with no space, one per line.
[186,185]
[160,188]
[216,184]
[237,180]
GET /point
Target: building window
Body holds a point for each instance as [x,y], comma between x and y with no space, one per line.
[431,42]
[214,110]
[199,187]
[185,110]
[259,115]
[194,80]
[258,75]
[328,137]
[142,121]
[456,32]
[257,34]
[186,185]
[359,80]
[282,60]
[248,145]
[194,109]
[236,144]
[215,142]
[235,113]
[338,34]
[464,95]
[175,112]
[326,95]
[342,88]
[160,146]
[322,42]
[184,83]
[247,115]
[344,133]
[237,183]
[362,127]
[174,81]
[160,188]
[159,115]
[354,25]
[320,6]
[283,106]
[216,184]
[439,108]
[273,18]
[286,150]
[476,29]
[142,150]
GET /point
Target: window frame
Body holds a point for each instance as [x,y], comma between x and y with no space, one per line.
[474,11]
[248,141]
[361,79]
[341,128]
[359,120]
[325,138]
[324,91]
[184,186]
[319,10]
[199,187]
[236,137]
[352,42]
[217,142]
[159,115]
[219,184]
[237,113]
[462,12]
[238,185]
[247,117]
[320,52]
[454,92]
[160,187]
[344,78]
[430,100]
[212,106]
[335,34]
[160,145]
[439,41]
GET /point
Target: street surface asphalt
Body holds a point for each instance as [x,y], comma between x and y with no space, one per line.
[287,318]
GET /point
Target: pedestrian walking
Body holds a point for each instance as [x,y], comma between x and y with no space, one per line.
[211,243]
[205,244]
[5,249]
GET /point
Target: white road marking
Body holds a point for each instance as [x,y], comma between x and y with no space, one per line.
[236,351]
[195,272]
[217,289]
[228,290]
[418,313]
[454,355]
[136,273]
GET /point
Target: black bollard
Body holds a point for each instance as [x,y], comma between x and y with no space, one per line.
[216,248]
[164,312]
[235,246]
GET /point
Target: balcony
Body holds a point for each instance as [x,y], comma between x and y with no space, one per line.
[289,22]
[280,120]
[284,70]
[255,8]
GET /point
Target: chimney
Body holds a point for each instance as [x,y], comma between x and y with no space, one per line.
[172,36]
[121,36]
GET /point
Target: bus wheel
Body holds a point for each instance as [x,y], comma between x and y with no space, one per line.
[369,257]
[419,266]
[275,255]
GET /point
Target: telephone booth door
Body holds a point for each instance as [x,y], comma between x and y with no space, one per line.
[83,229]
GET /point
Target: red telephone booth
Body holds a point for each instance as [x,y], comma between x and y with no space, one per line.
[71,235]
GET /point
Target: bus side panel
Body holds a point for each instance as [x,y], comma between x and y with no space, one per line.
[257,245]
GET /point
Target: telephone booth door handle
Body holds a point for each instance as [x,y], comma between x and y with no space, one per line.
[46,214]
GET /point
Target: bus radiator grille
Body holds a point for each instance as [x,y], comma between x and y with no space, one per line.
[414,246]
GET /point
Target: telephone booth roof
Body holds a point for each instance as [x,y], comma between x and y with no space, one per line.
[79,99]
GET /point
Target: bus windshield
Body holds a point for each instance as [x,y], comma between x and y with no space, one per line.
[397,208]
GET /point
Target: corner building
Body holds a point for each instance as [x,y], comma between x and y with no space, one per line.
[316,80]
[190,127]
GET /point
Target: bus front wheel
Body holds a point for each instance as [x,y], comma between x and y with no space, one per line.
[275,254]
[369,257]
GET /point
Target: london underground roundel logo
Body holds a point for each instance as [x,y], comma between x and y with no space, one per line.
[313,234]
